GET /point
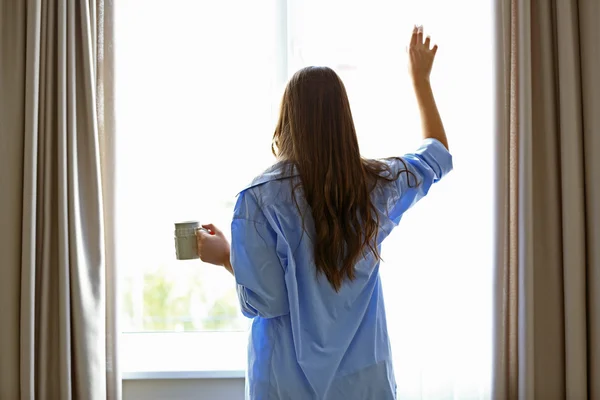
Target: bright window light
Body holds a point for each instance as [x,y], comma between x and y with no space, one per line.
[198,88]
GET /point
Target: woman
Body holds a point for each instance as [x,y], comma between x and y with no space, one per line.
[306,236]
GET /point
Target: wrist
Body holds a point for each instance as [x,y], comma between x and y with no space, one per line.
[227,264]
[421,84]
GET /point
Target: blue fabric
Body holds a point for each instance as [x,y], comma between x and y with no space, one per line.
[306,340]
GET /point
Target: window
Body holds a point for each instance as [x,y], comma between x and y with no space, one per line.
[198,87]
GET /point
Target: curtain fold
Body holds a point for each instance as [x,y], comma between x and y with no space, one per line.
[13,21]
[554,301]
[589,15]
[105,91]
[505,354]
[60,308]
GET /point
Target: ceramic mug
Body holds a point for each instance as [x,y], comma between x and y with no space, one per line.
[186,246]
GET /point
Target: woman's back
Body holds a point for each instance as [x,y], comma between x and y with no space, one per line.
[306,239]
[307,338]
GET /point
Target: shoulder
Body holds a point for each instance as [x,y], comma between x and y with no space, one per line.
[262,190]
[278,171]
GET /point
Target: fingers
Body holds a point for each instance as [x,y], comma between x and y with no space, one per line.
[213,230]
[413,38]
[417,39]
[202,234]
[199,240]
[420,34]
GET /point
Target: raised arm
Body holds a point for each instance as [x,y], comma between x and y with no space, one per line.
[421,58]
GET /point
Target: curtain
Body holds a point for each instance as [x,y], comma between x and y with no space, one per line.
[57,287]
[547,299]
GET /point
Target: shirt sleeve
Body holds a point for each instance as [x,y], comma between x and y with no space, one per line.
[417,172]
[257,267]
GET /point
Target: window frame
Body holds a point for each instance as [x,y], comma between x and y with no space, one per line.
[134,346]
[208,355]
[153,355]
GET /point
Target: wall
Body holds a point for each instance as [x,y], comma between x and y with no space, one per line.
[184,389]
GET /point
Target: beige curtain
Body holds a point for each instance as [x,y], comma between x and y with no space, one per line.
[547,300]
[57,286]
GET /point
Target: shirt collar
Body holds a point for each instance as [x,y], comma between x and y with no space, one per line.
[276,172]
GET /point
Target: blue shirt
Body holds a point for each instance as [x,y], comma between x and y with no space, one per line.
[306,340]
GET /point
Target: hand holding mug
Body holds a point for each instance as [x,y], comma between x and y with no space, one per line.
[213,247]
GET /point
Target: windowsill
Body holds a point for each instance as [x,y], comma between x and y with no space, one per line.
[183,355]
[166,375]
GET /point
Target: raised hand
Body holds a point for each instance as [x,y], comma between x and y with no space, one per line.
[420,56]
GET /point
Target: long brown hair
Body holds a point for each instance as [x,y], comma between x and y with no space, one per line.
[316,133]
